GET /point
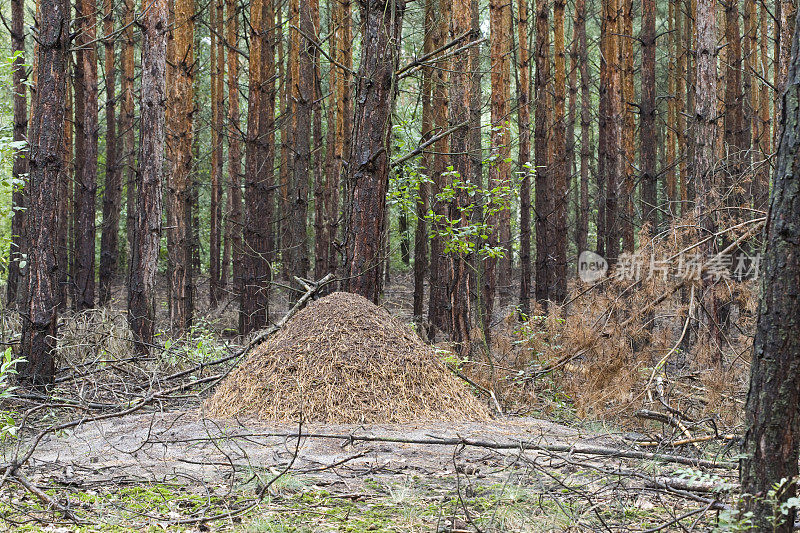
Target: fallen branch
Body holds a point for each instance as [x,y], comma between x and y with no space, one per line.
[43,496]
[581,449]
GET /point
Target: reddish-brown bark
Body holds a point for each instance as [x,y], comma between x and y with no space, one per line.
[112,194]
[368,163]
[40,316]
[147,235]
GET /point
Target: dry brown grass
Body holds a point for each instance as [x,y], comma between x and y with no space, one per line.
[343,359]
[608,354]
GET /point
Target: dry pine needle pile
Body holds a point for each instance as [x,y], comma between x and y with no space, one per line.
[343,359]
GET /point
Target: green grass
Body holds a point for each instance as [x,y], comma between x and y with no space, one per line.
[296,504]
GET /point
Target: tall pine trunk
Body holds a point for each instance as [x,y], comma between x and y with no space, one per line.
[476,151]
[126,126]
[458,287]
[524,160]
[647,109]
[498,271]
[438,298]
[234,225]
[256,270]
[295,244]
[179,149]
[215,234]
[20,165]
[705,136]
[65,202]
[112,195]
[586,147]
[559,197]
[542,120]
[86,101]
[421,240]
[144,260]
[40,316]
[772,423]
[610,167]
[368,163]
[628,124]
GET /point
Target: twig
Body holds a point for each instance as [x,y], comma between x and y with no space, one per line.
[582,449]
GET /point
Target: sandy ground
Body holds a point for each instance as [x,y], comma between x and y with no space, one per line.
[159,446]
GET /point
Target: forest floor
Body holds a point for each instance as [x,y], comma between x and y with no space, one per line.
[125,445]
[157,470]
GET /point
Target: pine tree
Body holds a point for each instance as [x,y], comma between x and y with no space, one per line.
[368,162]
[144,259]
[20,165]
[87,133]
[180,100]
[112,194]
[524,159]
[40,316]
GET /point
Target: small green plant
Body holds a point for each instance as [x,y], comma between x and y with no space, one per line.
[8,368]
[466,225]
[449,358]
[733,520]
[199,345]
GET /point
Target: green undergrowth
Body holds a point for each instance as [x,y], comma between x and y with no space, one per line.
[299,504]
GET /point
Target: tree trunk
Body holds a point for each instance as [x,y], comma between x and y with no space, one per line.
[559,198]
[64,202]
[688,175]
[572,110]
[749,101]
[610,164]
[765,135]
[295,244]
[671,160]
[438,315]
[647,128]
[256,267]
[321,240]
[458,288]
[705,133]
[586,147]
[214,245]
[86,164]
[542,121]
[40,316]
[234,226]
[772,423]
[324,238]
[628,124]
[368,165]
[498,271]
[144,260]
[112,195]
[286,76]
[524,160]
[126,127]
[476,154]
[733,122]
[403,230]
[266,125]
[784,30]
[423,201]
[179,149]
[681,107]
[20,165]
